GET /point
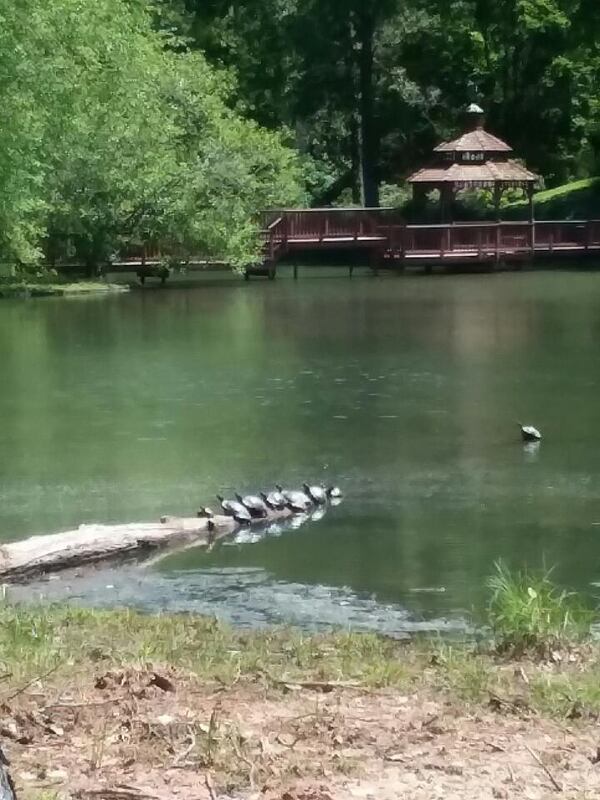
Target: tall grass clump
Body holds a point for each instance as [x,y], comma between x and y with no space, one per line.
[528,612]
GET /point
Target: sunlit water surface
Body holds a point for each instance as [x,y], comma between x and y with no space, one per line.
[405,391]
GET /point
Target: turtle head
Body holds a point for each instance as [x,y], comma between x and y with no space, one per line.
[306,488]
[239,498]
[220,498]
[278,487]
[264,496]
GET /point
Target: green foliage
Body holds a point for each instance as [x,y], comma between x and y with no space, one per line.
[533,64]
[115,135]
[575,200]
[527,612]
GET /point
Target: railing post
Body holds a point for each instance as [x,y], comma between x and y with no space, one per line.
[588,235]
[498,241]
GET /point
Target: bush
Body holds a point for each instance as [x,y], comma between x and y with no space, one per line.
[529,613]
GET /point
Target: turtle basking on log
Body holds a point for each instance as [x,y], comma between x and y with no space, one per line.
[255,505]
[235,509]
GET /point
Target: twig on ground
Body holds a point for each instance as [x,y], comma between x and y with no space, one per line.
[250,764]
[26,686]
[518,706]
[320,686]
[89,704]
[185,753]
[495,747]
[553,780]
[209,786]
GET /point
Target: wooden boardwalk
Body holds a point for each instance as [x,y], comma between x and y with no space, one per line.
[393,244]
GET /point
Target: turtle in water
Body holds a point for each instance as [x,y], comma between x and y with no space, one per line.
[297,502]
[274,500]
[317,494]
[255,505]
[334,493]
[231,508]
[529,433]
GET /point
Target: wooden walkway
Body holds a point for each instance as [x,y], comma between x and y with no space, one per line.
[394,245]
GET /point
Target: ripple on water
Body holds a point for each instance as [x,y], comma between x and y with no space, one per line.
[245,597]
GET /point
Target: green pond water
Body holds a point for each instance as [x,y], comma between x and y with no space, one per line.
[405,391]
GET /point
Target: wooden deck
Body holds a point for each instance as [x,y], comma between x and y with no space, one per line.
[394,245]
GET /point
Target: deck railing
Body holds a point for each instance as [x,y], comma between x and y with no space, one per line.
[384,229]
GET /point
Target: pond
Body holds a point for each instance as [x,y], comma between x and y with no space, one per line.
[405,391]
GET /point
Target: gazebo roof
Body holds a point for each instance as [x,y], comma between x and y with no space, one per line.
[476,159]
[478,140]
[467,175]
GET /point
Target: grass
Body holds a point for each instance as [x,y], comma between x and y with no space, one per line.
[33,640]
[531,619]
[528,612]
[70,645]
[574,200]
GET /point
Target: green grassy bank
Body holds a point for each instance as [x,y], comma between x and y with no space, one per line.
[70,645]
[23,288]
[575,200]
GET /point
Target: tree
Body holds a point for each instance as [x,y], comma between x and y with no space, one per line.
[117,134]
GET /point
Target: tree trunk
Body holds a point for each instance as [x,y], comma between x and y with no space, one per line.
[367,134]
[357,196]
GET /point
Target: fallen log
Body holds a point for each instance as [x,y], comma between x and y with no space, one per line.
[39,554]
[90,543]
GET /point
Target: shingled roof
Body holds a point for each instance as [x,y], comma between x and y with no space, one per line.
[478,140]
[484,174]
[475,159]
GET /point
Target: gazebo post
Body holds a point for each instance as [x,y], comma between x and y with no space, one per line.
[446,202]
[497,199]
[530,193]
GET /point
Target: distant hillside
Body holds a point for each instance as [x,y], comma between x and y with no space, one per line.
[576,200]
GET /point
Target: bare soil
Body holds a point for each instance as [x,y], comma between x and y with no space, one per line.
[149,732]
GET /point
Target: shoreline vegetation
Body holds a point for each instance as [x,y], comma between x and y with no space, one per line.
[182,705]
[23,289]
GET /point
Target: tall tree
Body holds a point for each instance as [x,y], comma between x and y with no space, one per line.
[116,134]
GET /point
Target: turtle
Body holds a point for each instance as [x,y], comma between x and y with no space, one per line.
[254,504]
[316,493]
[231,508]
[334,492]
[274,500]
[205,512]
[529,433]
[297,502]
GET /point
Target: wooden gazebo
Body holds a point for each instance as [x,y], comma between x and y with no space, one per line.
[476,160]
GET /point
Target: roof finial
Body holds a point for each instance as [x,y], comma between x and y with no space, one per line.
[475,116]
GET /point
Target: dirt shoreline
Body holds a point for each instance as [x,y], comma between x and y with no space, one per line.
[123,706]
[156,733]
